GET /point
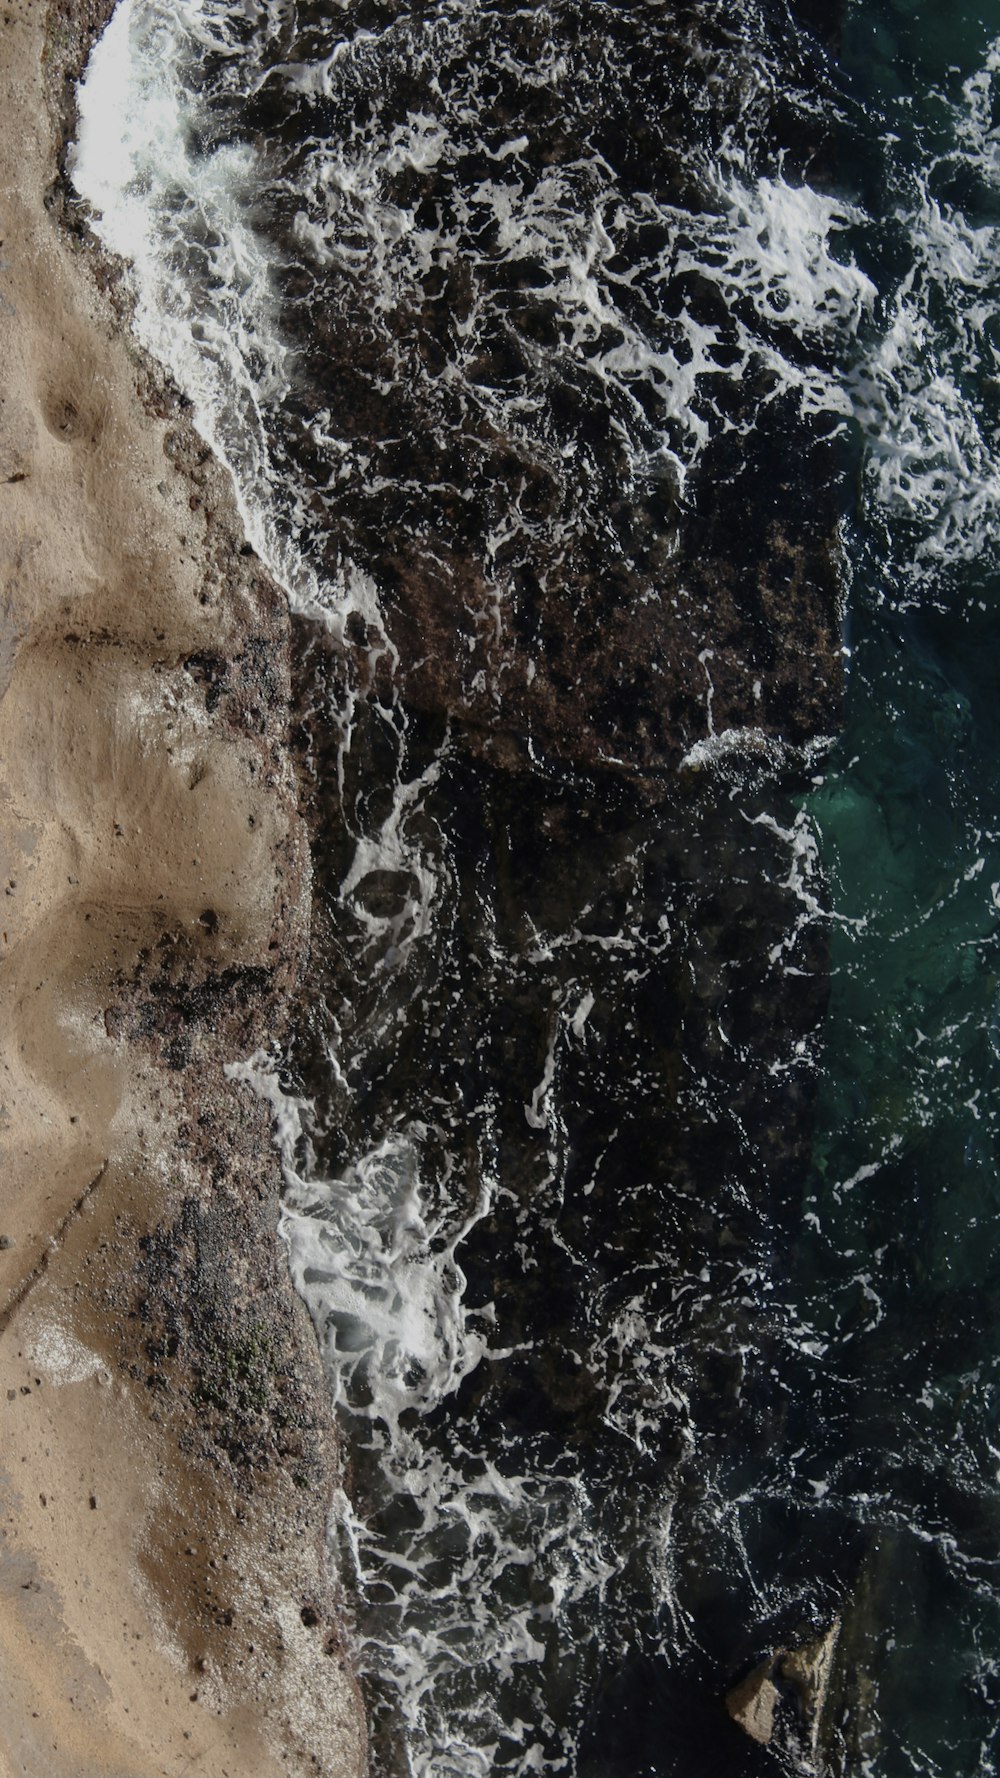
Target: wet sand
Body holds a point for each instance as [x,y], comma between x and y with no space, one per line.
[168,1456]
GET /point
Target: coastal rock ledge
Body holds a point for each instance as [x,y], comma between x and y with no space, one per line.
[168,1455]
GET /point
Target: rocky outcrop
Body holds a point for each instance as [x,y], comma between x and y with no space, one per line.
[782,1703]
[168,1453]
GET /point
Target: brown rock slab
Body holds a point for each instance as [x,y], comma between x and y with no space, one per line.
[168,1455]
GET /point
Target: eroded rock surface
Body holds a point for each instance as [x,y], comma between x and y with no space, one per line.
[168,1454]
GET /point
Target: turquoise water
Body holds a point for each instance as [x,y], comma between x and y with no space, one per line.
[902,1271]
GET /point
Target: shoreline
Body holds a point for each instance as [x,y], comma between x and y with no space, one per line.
[170,1451]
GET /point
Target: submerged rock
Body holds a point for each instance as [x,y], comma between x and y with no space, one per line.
[783,1701]
[753,1702]
[808,1669]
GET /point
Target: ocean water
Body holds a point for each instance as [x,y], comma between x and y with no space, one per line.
[638,1116]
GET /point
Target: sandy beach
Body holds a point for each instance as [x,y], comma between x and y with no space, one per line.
[168,1455]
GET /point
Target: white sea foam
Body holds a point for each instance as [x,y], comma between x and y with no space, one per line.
[202,272]
[204,275]
[919,389]
[376,1258]
[205,283]
[181,219]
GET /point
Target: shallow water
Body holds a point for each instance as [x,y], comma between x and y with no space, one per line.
[638,1120]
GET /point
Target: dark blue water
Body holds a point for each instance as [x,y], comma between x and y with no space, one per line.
[616,390]
[900,1271]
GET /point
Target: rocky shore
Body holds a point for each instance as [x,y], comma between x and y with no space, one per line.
[169,1455]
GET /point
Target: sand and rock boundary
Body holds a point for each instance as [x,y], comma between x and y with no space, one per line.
[168,1454]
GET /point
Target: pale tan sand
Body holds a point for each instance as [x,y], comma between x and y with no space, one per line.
[163,1602]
